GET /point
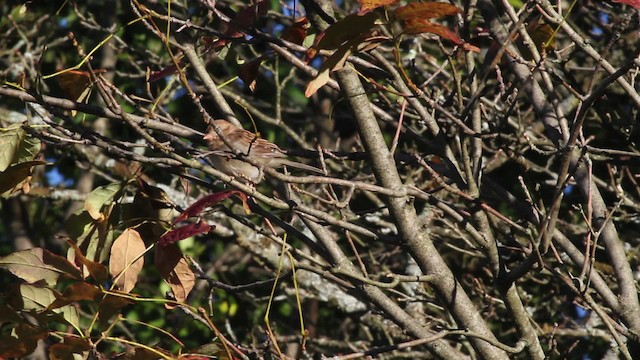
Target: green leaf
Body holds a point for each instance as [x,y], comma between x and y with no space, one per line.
[39,298]
[100,196]
[28,150]
[10,138]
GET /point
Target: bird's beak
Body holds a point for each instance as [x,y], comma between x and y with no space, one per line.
[208,136]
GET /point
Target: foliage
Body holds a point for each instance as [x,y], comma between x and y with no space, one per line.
[478,195]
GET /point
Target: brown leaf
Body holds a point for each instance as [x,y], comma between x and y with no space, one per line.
[248,72]
[110,306]
[425,10]
[71,345]
[126,262]
[175,271]
[297,32]
[333,63]
[540,34]
[246,18]
[316,83]
[12,178]
[418,26]
[344,30]
[75,84]
[337,61]
[77,292]
[24,343]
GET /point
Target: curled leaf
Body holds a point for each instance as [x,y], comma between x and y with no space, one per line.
[98,271]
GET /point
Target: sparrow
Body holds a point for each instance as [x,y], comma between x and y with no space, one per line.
[250,145]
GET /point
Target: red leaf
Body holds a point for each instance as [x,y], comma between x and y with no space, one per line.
[426,10]
[246,18]
[368,5]
[169,70]
[634,3]
[207,201]
[184,232]
[418,26]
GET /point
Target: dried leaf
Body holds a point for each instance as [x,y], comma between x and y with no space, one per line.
[75,84]
[246,18]
[167,71]
[424,10]
[418,26]
[38,264]
[110,306]
[23,343]
[297,32]
[12,178]
[175,271]
[128,247]
[70,347]
[319,81]
[77,292]
[368,5]
[540,34]
[248,72]
[344,30]
[98,271]
[335,62]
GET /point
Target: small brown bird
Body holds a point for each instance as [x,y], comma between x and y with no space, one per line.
[251,146]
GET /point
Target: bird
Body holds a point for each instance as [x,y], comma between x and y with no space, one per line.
[248,144]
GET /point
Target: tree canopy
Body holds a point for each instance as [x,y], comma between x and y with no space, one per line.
[455,179]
